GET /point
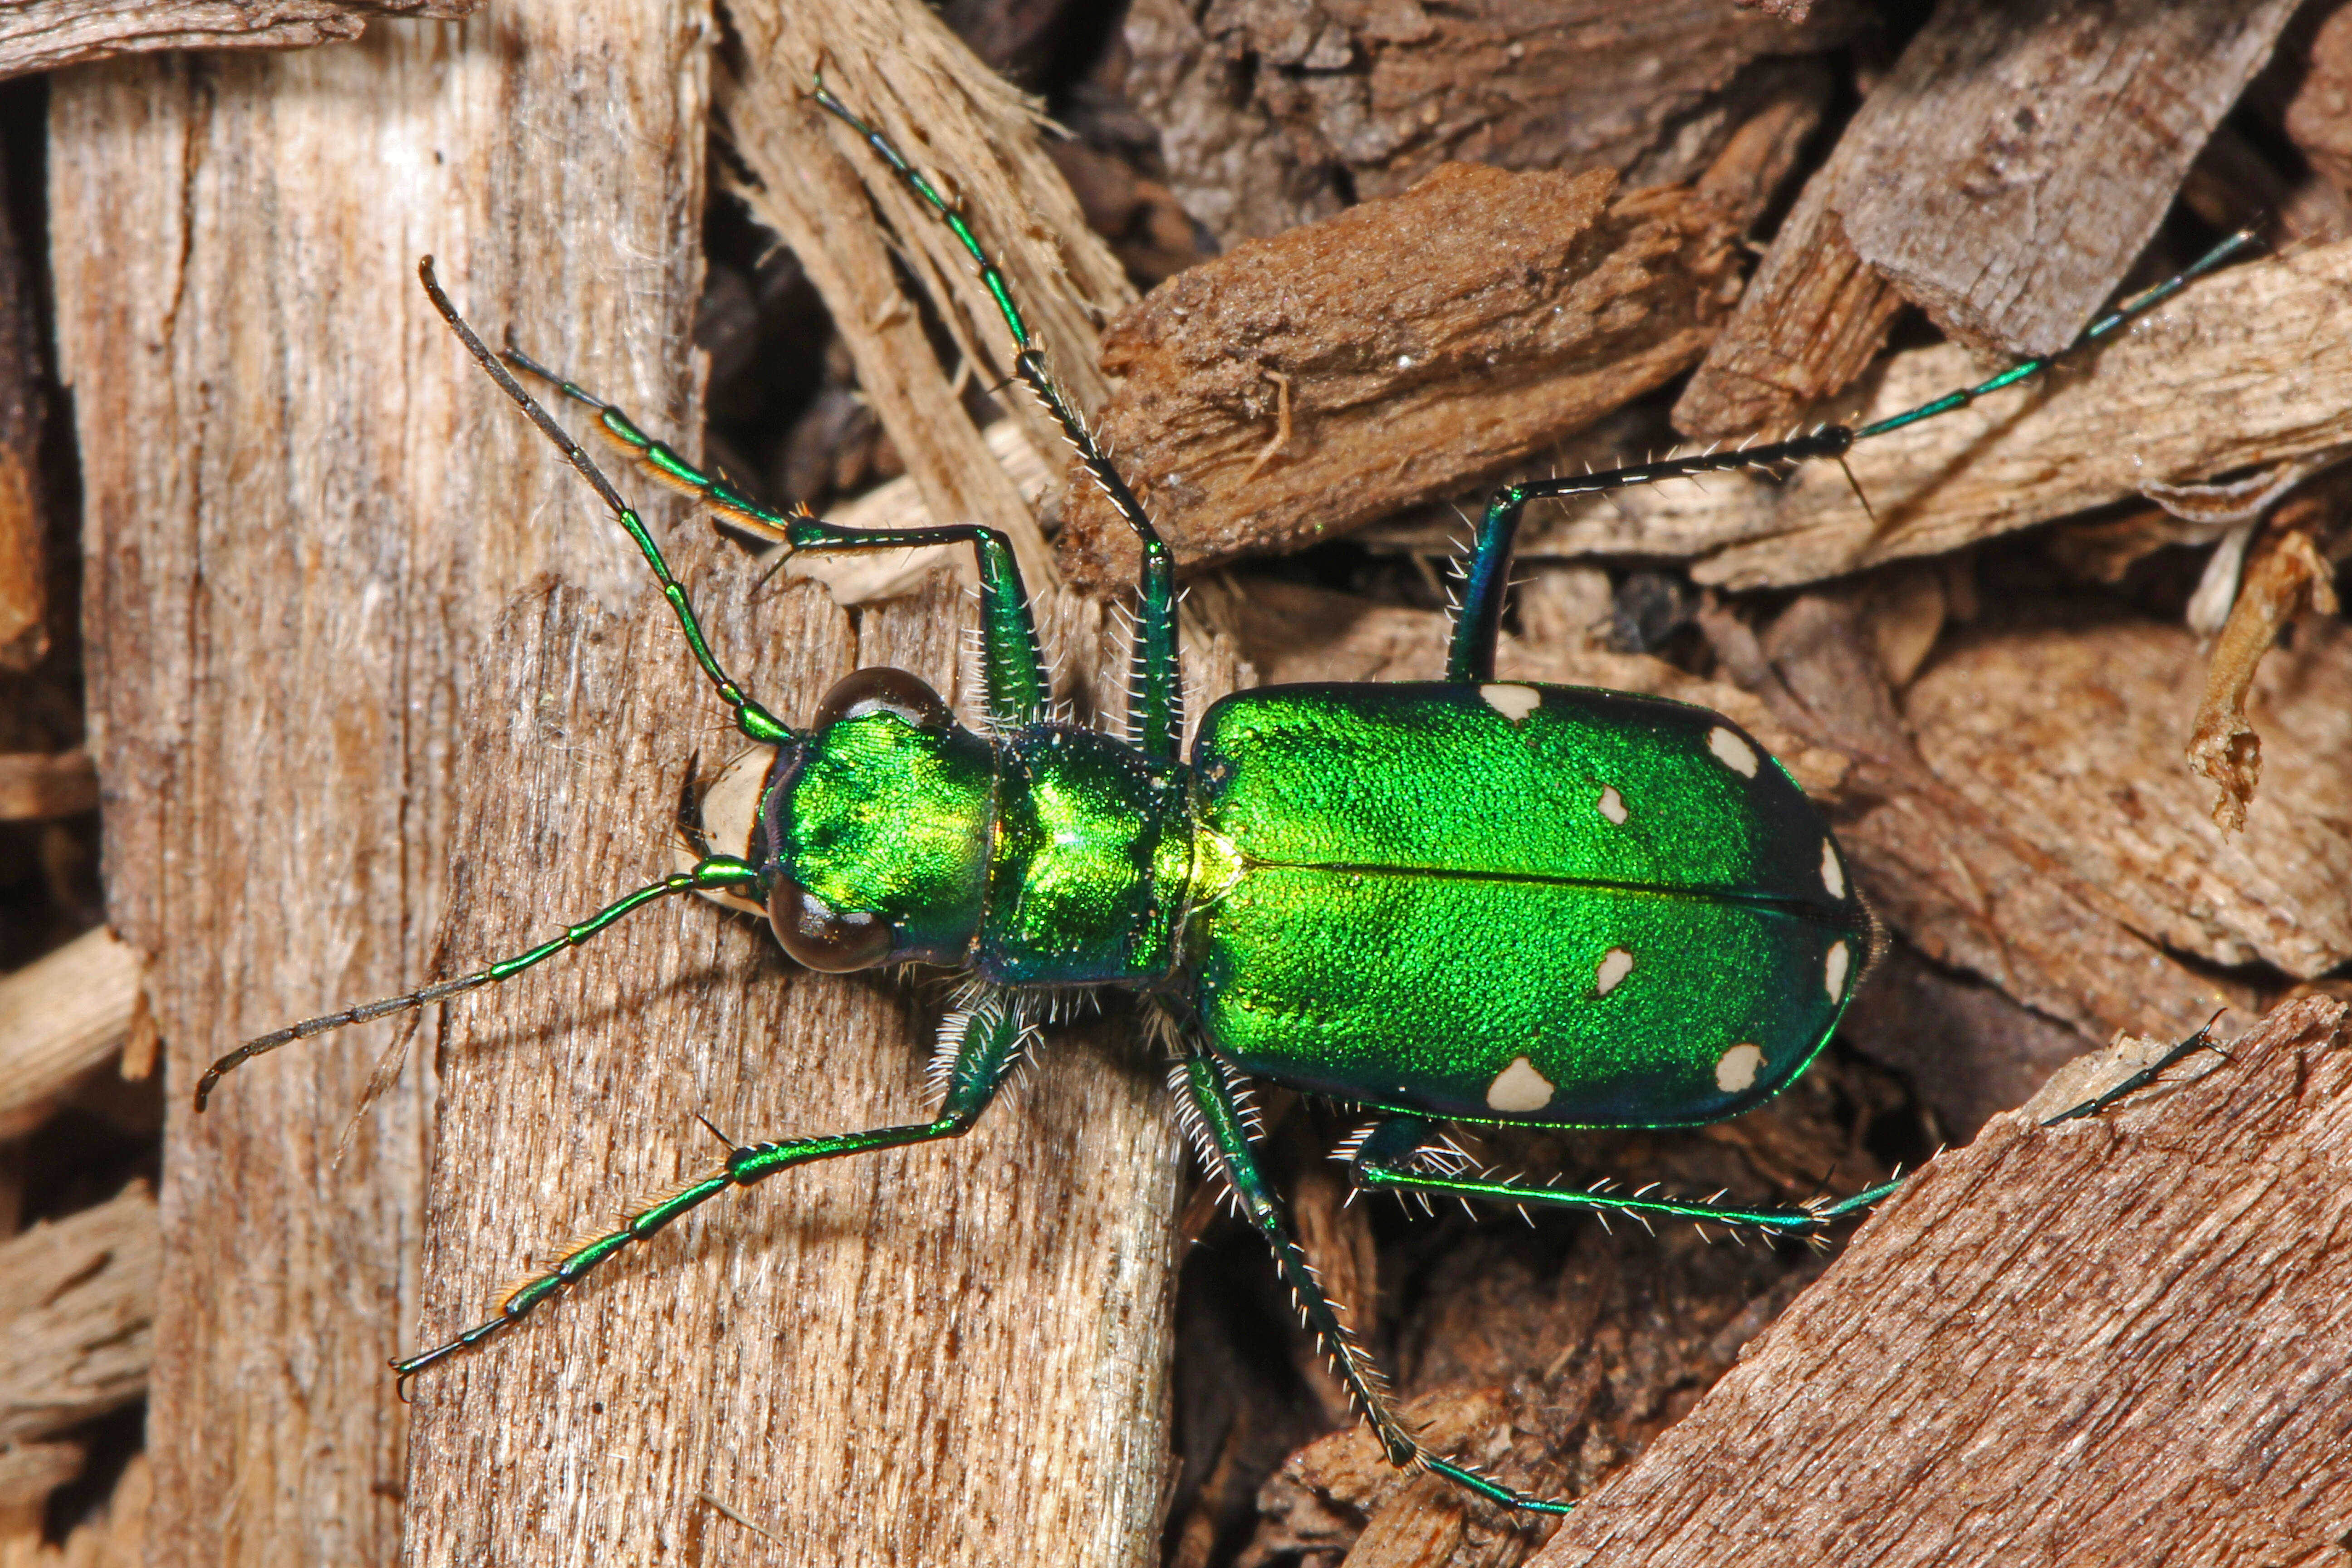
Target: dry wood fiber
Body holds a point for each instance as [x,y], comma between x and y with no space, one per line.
[299,528]
[2116,1341]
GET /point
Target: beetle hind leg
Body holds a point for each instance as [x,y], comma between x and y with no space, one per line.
[986,1041]
[1388,1158]
[1221,1128]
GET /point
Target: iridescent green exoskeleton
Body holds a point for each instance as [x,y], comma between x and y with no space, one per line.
[1468,900]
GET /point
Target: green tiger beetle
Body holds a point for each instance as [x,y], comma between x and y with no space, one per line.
[1465,900]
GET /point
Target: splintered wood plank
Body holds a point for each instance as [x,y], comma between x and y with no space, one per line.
[2117,1340]
[2004,176]
[1300,386]
[44,34]
[298,533]
[2248,368]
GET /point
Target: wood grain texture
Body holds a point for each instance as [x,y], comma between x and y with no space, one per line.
[1266,107]
[45,34]
[2025,156]
[297,530]
[76,1316]
[2246,369]
[949,1354]
[896,64]
[2116,1341]
[2005,174]
[61,1015]
[1427,339]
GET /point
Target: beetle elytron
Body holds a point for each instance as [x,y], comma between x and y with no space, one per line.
[1460,900]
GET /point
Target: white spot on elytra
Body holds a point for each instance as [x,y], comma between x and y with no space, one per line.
[1834,971]
[1732,751]
[1615,964]
[1513,703]
[1832,874]
[1613,804]
[1519,1087]
[1739,1067]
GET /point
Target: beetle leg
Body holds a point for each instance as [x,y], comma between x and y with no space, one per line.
[986,1042]
[1223,1135]
[1156,703]
[1385,1161]
[1014,669]
[710,872]
[754,721]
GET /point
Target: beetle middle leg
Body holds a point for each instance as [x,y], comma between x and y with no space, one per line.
[1224,1136]
[985,1051]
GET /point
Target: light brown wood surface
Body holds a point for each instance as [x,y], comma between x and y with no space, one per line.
[298,527]
[2116,1340]
[319,538]
[44,34]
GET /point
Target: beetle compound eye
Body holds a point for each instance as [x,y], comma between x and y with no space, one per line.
[822,938]
[884,690]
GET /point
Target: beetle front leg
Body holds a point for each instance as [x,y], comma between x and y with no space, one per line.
[985,1042]
[1386,1160]
[1220,1129]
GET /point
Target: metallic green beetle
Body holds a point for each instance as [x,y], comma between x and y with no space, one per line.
[1470,900]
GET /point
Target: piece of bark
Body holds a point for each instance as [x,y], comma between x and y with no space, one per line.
[33,785]
[1265,106]
[1550,1359]
[24,517]
[1426,340]
[78,1305]
[61,1015]
[2249,368]
[2285,579]
[2004,176]
[2019,892]
[2023,157]
[302,507]
[115,1538]
[2318,116]
[44,34]
[29,1472]
[2070,735]
[972,1337]
[2095,1290]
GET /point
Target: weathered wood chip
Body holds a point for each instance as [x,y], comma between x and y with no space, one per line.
[2004,176]
[1265,107]
[2155,1294]
[2070,737]
[76,1315]
[1971,878]
[59,1017]
[43,35]
[1417,342]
